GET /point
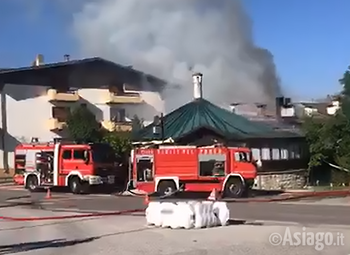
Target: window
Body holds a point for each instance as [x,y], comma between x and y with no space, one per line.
[284,153]
[79,154]
[294,151]
[242,156]
[256,153]
[265,154]
[276,155]
[67,154]
[297,151]
[212,164]
[117,114]
[60,113]
[144,169]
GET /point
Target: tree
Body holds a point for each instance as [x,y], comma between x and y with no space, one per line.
[82,125]
[120,142]
[329,138]
[326,139]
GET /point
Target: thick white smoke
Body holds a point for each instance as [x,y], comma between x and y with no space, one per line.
[170,39]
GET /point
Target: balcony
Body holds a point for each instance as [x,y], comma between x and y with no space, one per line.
[116,95]
[114,98]
[69,96]
[117,126]
[54,124]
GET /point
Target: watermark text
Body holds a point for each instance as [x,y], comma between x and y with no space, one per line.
[307,238]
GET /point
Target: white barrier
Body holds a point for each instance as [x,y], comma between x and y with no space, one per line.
[187,215]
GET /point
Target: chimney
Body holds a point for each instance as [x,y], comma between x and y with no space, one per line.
[197,85]
[287,109]
[261,109]
[279,106]
[39,60]
[66,57]
[287,102]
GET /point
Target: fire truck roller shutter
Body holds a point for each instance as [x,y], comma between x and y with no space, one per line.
[166,185]
[234,186]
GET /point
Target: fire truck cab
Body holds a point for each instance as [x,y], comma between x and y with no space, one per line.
[77,166]
[167,169]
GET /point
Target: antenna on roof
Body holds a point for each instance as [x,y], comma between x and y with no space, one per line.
[66,57]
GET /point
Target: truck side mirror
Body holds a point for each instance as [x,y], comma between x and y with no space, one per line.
[86,157]
[258,163]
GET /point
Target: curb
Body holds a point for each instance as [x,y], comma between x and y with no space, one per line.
[293,196]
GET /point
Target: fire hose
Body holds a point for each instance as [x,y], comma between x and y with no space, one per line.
[90,215]
[75,216]
[126,212]
[127,189]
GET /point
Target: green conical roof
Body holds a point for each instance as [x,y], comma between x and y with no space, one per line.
[201,113]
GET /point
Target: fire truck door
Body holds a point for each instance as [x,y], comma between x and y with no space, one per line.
[66,164]
[80,157]
[242,162]
[74,160]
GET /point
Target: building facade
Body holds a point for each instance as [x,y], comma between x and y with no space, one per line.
[39,111]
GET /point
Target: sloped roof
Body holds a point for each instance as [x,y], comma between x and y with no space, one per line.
[89,72]
[201,113]
[2,70]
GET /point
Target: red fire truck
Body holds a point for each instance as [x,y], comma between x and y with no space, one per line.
[77,166]
[187,168]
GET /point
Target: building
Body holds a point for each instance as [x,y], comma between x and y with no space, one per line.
[200,122]
[321,108]
[36,100]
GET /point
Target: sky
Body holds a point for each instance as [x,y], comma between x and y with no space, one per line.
[309,39]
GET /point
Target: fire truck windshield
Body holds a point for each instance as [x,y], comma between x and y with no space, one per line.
[102,153]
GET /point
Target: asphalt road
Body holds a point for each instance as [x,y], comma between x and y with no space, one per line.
[304,213]
[128,234]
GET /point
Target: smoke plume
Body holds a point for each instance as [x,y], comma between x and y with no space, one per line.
[171,39]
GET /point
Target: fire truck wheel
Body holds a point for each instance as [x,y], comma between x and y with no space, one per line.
[32,183]
[234,188]
[166,188]
[75,185]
